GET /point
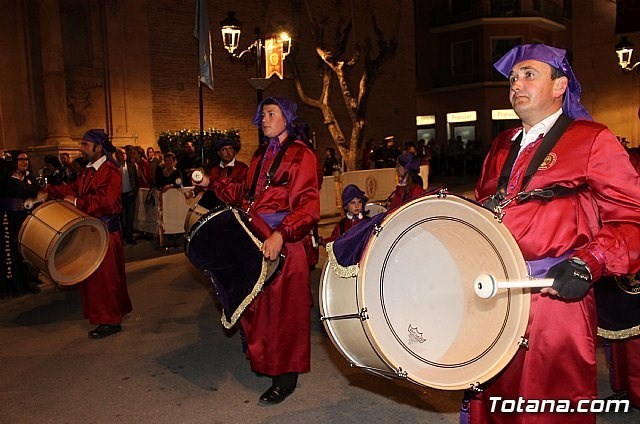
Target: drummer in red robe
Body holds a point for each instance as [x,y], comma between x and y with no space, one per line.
[410,182]
[625,353]
[570,198]
[229,166]
[353,203]
[281,188]
[97,192]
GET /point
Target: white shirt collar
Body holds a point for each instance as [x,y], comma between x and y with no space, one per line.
[97,164]
[232,163]
[538,129]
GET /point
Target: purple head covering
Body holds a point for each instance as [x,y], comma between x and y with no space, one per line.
[410,162]
[351,192]
[98,136]
[221,142]
[555,57]
[288,109]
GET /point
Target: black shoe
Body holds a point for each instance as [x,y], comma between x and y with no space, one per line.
[104,330]
[274,395]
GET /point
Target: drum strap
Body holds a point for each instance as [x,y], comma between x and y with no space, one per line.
[272,169]
[549,140]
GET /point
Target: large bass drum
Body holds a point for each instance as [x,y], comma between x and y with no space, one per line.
[412,312]
[225,245]
[63,242]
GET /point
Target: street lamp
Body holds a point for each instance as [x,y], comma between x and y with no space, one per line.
[624,49]
[275,50]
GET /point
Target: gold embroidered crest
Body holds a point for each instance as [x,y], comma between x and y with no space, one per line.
[548,161]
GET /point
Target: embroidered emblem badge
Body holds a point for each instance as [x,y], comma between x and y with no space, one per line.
[548,161]
[415,336]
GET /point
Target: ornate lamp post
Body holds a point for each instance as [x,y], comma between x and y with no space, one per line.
[624,49]
[273,49]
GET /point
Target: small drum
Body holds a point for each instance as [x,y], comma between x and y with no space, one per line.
[374,209]
[203,203]
[63,242]
[223,246]
[618,303]
[412,312]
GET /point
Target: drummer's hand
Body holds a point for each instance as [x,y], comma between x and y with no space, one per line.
[189,194]
[272,246]
[571,279]
[70,199]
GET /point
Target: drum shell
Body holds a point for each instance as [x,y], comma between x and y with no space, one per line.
[449,339]
[63,242]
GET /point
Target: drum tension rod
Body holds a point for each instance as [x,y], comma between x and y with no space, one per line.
[399,373]
[362,316]
[524,343]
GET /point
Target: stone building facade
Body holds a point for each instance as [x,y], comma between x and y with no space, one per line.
[131,67]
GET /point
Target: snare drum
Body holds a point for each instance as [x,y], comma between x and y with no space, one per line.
[223,246]
[203,203]
[63,242]
[618,304]
[412,312]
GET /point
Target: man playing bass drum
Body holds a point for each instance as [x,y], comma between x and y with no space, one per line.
[282,188]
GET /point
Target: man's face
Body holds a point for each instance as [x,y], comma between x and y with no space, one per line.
[273,121]
[64,158]
[121,155]
[90,151]
[226,154]
[533,94]
[150,153]
[189,148]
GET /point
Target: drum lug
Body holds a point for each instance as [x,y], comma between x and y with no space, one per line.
[524,343]
[442,193]
[475,387]
[377,229]
[363,314]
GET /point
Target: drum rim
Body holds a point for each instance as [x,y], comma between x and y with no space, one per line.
[522,323]
[54,242]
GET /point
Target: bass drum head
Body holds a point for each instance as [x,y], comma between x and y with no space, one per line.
[416,281]
[374,209]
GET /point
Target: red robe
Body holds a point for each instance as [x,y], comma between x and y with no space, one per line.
[601,224]
[625,354]
[105,299]
[237,173]
[277,324]
[403,194]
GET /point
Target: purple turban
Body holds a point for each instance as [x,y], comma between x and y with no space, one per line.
[410,162]
[555,57]
[98,136]
[288,109]
[351,192]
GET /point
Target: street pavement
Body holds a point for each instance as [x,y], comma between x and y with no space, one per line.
[174,363]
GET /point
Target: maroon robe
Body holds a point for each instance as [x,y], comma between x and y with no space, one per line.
[403,194]
[105,299]
[277,324]
[625,354]
[601,224]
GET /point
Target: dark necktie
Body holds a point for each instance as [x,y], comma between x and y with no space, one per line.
[269,156]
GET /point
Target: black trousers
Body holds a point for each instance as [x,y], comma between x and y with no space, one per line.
[128,214]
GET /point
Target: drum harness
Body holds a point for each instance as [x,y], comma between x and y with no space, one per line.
[497,202]
[270,174]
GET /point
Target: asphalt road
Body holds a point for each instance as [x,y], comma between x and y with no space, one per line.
[174,363]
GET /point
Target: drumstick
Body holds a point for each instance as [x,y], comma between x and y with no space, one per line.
[486,286]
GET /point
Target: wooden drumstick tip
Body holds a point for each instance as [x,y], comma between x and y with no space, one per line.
[486,286]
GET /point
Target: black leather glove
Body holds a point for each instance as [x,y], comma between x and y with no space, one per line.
[571,278]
